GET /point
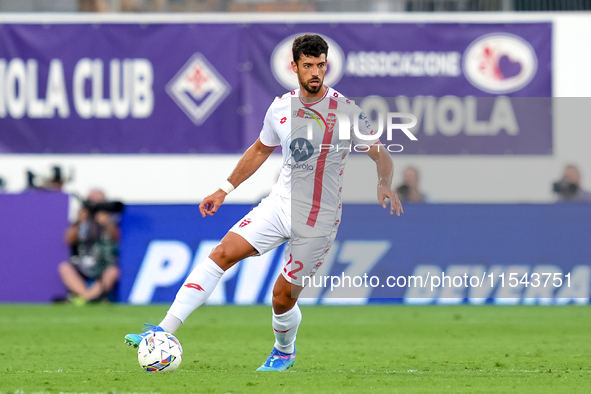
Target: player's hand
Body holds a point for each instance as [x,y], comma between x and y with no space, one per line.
[395,205]
[83,215]
[102,218]
[211,203]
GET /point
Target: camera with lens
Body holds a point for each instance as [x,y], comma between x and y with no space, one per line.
[53,181]
[107,206]
[565,188]
[403,192]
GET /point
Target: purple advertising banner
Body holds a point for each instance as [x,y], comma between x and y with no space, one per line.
[455,78]
[32,226]
[204,88]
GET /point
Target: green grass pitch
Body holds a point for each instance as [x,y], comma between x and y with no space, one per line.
[366,349]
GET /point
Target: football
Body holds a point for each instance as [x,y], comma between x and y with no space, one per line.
[160,352]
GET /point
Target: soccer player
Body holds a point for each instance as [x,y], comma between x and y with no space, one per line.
[303,208]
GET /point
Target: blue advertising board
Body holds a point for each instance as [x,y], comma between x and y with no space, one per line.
[482,253]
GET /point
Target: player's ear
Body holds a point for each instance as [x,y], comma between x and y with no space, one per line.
[294,66]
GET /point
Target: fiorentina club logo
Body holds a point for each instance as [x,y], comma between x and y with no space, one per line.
[500,63]
[198,88]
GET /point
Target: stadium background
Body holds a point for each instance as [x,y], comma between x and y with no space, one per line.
[488,208]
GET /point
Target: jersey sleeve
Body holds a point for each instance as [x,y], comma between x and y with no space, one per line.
[268,136]
[365,129]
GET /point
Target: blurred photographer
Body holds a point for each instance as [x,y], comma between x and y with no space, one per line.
[409,190]
[568,187]
[91,271]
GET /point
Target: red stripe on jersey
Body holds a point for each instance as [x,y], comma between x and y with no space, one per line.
[326,140]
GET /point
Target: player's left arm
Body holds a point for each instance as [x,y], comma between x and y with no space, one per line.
[385,167]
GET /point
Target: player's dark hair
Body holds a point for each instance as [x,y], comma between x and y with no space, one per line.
[309,45]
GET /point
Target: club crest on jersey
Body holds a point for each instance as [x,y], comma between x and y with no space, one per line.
[331,120]
[301,149]
[198,88]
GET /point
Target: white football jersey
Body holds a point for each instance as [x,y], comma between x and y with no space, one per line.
[312,168]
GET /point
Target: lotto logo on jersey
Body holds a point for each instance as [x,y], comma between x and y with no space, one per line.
[195,286]
[245,222]
[198,88]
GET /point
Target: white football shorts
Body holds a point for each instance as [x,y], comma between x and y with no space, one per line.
[268,226]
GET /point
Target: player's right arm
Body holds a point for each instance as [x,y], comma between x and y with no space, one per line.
[249,163]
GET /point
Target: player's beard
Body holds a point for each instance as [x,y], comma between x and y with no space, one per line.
[312,89]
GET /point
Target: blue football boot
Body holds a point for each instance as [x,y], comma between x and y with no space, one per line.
[278,361]
[135,339]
